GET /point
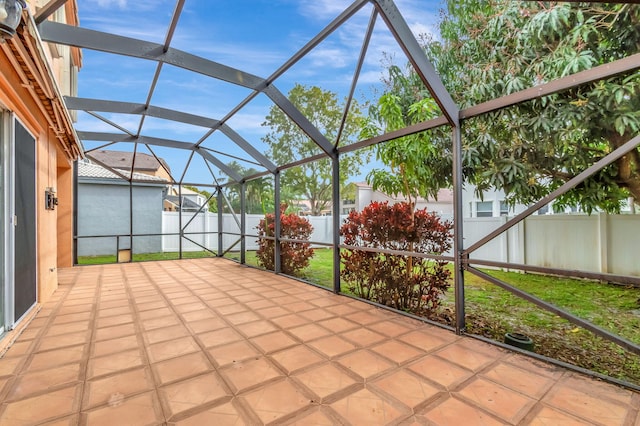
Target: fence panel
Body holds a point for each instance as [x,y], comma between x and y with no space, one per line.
[596,243]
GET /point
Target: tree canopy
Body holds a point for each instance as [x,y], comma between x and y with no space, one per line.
[287,142]
[488,49]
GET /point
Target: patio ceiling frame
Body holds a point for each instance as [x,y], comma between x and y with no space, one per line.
[452,116]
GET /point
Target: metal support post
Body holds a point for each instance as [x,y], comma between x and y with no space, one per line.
[277,226]
[458,242]
[220,205]
[75,212]
[180,231]
[243,222]
[335,175]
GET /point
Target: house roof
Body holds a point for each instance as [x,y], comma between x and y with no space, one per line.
[122,159]
[95,171]
[187,203]
[445,195]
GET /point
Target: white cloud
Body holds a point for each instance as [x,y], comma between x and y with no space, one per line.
[323,8]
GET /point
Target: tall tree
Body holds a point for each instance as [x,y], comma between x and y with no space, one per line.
[493,48]
[287,142]
[258,192]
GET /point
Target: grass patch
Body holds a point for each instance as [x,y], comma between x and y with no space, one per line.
[492,312]
[143,257]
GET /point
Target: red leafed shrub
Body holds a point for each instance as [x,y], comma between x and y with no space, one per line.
[407,283]
[293,256]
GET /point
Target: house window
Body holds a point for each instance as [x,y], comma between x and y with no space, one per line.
[504,208]
[544,210]
[484,209]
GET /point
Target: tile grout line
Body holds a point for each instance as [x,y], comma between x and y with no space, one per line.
[171,306]
[137,324]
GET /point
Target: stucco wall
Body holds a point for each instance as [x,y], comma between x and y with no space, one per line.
[103,209]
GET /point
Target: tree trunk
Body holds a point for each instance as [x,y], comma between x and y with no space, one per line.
[628,166]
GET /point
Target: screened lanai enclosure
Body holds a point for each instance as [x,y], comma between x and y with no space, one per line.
[226,134]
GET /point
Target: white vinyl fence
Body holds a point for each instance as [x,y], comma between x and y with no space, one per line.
[597,243]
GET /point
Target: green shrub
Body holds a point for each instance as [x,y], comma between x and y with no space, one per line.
[293,256]
[407,283]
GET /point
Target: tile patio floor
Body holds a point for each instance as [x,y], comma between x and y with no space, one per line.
[209,342]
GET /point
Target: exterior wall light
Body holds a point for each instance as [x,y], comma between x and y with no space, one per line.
[10,15]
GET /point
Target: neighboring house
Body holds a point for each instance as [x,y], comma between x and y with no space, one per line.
[491,204]
[191,200]
[363,194]
[37,150]
[103,209]
[122,160]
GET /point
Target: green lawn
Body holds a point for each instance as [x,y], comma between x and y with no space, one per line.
[492,311]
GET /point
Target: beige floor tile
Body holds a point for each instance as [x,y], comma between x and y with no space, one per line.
[109,333]
[525,382]
[390,328]
[242,317]
[155,313]
[222,415]
[278,400]
[583,405]
[456,412]
[256,305]
[316,314]
[160,322]
[55,358]
[407,388]
[139,410]
[41,408]
[363,318]
[120,344]
[159,335]
[313,418]
[117,387]
[190,393]
[509,405]
[114,363]
[326,379]
[290,321]
[205,325]
[338,325]
[273,312]
[363,337]
[296,358]
[57,330]
[18,349]
[248,374]
[423,340]
[116,311]
[42,381]
[397,351]
[465,357]
[365,363]
[181,367]
[233,352]
[11,365]
[274,341]
[202,314]
[171,349]
[219,337]
[440,371]
[332,346]
[256,328]
[111,321]
[549,417]
[309,332]
[367,408]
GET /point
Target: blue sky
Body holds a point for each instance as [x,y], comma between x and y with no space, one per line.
[256,36]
